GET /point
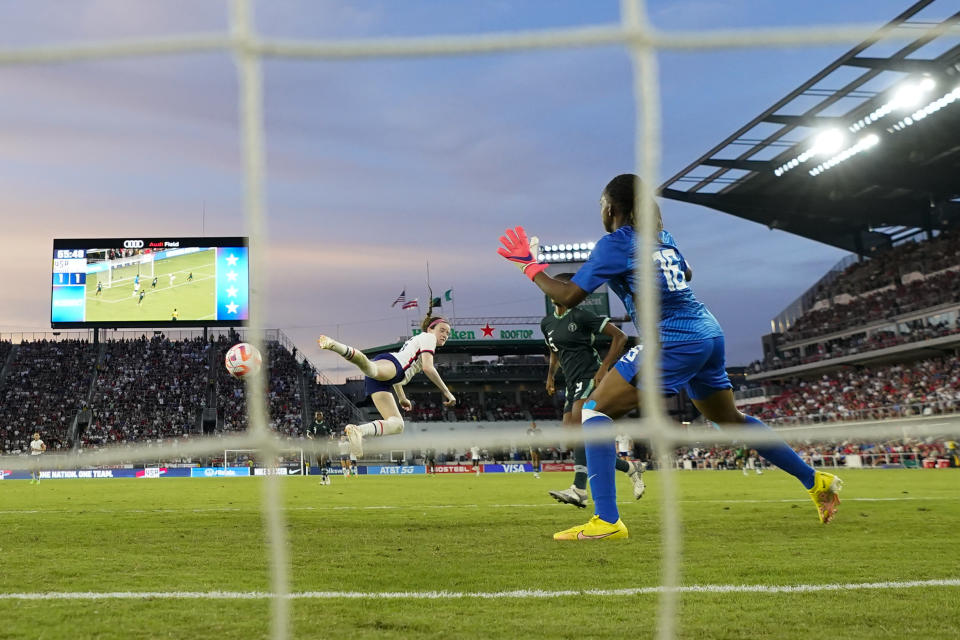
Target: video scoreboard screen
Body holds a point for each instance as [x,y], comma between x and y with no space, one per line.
[149,282]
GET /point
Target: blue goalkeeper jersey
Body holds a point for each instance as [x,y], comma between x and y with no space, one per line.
[683,318]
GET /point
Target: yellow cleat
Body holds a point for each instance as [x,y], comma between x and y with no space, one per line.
[825,494]
[595,529]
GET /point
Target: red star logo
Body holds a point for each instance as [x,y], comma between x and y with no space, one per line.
[487,331]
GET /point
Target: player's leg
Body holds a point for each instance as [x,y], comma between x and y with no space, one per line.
[712,395]
[615,397]
[390,424]
[383,369]
[577,493]
[535,462]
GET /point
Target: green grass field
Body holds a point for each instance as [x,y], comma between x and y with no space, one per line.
[487,534]
[195,300]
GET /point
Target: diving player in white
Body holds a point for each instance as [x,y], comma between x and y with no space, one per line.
[393,370]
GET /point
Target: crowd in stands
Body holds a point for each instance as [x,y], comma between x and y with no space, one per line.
[938,289]
[45,386]
[335,411]
[825,454]
[915,331]
[148,389]
[283,392]
[925,387]
[5,348]
[529,404]
[886,267]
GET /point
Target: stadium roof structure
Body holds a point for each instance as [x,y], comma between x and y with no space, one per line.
[863,154]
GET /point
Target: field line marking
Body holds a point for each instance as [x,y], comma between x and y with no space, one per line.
[483,595]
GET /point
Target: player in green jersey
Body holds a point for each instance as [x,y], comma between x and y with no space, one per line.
[571,335]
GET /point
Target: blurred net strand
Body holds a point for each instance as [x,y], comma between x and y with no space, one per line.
[636,33]
[646,89]
[495,42]
[643,429]
[251,119]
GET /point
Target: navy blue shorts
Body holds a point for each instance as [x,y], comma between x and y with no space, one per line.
[697,366]
[371,386]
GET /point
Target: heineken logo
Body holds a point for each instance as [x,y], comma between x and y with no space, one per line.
[489,332]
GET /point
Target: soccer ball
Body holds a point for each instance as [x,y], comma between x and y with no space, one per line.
[243,360]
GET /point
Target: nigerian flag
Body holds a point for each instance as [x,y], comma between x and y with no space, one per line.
[448,295]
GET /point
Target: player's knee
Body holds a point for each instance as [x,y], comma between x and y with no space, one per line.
[393,425]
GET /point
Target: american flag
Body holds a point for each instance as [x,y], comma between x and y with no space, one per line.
[413,304]
[402,298]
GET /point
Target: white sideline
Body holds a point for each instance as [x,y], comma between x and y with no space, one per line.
[482,595]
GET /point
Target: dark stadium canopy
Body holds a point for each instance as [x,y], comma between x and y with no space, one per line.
[865,153]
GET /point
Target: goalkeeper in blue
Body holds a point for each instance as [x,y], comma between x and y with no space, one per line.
[692,354]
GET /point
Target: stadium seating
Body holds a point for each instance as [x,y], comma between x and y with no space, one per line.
[492,406]
[43,390]
[145,390]
[148,389]
[925,387]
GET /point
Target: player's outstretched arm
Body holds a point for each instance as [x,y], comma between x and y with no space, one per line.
[402,399]
[431,372]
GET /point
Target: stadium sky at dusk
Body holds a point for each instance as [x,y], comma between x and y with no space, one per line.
[376,166]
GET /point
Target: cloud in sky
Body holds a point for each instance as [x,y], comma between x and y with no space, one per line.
[376,166]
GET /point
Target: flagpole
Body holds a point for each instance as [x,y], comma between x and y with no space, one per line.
[429,291]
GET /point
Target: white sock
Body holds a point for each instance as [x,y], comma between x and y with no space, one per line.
[389,427]
[355,356]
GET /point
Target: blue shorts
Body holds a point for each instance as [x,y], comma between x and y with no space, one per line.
[371,386]
[696,366]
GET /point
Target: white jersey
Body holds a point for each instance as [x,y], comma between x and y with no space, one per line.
[623,443]
[474,453]
[36,447]
[410,354]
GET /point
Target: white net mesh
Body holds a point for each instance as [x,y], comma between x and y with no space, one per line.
[643,41]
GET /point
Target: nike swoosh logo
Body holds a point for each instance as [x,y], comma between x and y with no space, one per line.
[589,478]
[580,536]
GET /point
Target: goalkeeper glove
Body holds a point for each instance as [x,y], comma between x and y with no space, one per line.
[522,252]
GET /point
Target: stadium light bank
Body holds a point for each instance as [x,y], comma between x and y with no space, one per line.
[558,253]
[906,96]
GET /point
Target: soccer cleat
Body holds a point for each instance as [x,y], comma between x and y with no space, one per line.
[355,438]
[636,479]
[594,529]
[324,342]
[574,496]
[825,494]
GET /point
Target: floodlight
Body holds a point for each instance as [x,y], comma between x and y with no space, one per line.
[828,142]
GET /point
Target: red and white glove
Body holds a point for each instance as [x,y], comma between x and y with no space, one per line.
[522,252]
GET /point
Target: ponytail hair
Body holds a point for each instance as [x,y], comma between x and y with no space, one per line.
[431,321]
[622,193]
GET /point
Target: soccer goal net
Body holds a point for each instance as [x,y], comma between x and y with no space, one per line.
[644,43]
[121,271]
[289,462]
